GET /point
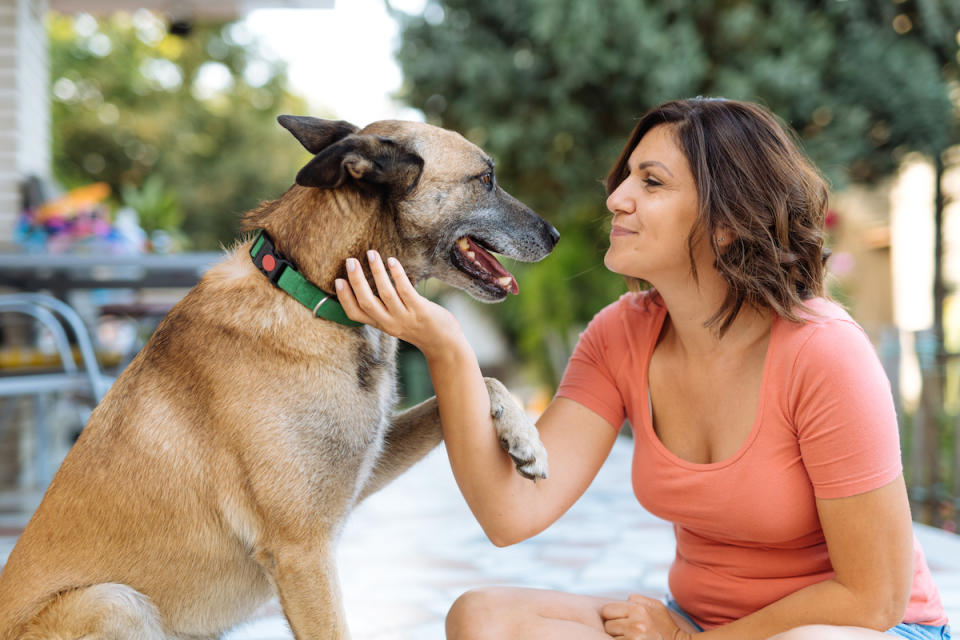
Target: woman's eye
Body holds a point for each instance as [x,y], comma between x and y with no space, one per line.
[652,182]
[487,179]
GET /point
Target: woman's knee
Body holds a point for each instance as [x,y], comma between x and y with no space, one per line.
[807,632]
[478,613]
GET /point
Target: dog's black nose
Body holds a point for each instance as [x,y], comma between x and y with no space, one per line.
[554,236]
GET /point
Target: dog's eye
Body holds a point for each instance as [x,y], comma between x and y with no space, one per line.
[487,179]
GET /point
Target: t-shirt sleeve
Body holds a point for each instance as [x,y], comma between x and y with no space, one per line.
[844,413]
[591,374]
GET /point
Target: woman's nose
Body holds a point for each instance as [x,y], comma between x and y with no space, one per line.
[620,201]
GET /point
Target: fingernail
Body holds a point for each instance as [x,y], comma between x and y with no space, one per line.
[392,262]
[351,265]
[339,284]
[371,256]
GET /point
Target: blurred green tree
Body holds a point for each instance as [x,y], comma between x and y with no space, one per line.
[189,121]
[552,88]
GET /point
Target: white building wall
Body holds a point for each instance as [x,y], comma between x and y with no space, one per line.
[911,232]
[24,105]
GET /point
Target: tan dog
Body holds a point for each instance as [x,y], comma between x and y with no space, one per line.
[219,469]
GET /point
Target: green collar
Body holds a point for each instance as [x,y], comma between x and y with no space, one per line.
[283,274]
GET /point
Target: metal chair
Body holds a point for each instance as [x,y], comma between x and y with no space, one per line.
[55,315]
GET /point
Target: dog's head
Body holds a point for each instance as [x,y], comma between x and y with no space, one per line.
[439,193]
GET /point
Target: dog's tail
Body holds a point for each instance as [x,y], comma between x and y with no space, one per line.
[99,611]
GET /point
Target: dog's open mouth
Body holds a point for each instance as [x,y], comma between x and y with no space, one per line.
[477,262]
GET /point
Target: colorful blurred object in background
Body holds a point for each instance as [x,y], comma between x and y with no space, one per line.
[79,221]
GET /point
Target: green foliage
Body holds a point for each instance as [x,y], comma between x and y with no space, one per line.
[157,206]
[184,126]
[552,88]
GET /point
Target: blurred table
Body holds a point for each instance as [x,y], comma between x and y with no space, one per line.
[61,273]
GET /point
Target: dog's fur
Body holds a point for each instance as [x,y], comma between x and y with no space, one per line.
[220,467]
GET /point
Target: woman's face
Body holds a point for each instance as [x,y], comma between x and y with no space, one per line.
[654,209]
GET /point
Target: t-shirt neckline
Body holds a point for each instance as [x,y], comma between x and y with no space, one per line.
[647,419]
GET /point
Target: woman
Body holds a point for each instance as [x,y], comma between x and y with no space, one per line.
[763,422]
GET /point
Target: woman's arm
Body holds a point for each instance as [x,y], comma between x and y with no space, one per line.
[509,507]
[870,541]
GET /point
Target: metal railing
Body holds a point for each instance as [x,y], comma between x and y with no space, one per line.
[56,317]
[929,429]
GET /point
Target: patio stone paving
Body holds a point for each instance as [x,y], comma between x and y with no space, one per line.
[410,550]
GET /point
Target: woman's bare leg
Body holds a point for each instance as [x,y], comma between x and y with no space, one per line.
[826,632]
[512,612]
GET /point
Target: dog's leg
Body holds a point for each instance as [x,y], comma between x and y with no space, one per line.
[306,579]
[518,435]
[411,435]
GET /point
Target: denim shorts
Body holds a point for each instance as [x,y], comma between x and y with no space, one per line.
[911,631]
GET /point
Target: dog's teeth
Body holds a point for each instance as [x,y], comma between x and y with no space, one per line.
[477,262]
[505,281]
[463,244]
[471,255]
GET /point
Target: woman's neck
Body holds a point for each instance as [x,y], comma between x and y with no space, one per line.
[690,305]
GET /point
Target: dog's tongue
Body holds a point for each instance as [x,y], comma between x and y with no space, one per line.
[482,260]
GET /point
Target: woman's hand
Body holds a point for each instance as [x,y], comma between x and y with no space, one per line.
[399,311]
[641,618]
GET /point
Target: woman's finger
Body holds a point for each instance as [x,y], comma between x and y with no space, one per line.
[386,292]
[614,610]
[369,303]
[405,290]
[349,303]
[616,628]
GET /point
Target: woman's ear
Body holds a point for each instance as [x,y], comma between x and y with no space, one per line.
[723,238]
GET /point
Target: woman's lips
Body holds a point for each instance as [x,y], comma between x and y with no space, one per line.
[621,231]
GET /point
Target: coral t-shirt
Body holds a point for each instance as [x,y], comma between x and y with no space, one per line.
[746,527]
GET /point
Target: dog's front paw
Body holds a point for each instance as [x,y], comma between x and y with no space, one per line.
[518,436]
[529,455]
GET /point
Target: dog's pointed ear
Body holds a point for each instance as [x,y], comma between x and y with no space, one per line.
[315,134]
[369,160]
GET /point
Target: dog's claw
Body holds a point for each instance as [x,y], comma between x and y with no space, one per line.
[518,460]
[530,469]
[526,474]
[531,475]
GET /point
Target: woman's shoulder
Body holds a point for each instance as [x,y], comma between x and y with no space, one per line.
[826,331]
[827,364]
[630,316]
[823,311]
[633,310]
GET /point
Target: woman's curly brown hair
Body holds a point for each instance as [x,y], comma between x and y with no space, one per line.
[752,180]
